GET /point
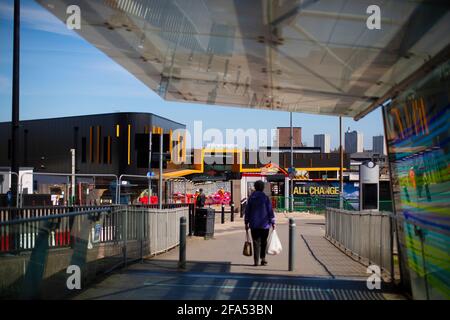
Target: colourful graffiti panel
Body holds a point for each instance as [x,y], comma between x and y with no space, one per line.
[418,134]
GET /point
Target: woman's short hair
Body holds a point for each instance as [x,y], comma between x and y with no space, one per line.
[259,185]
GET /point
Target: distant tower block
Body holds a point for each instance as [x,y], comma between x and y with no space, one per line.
[322,141]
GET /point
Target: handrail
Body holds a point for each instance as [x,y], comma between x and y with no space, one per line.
[48,240]
[54,216]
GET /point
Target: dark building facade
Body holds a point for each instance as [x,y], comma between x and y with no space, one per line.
[115,143]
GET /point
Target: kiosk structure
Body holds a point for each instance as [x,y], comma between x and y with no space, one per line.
[369,181]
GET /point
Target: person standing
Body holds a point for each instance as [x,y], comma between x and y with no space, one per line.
[201,199]
[9,198]
[259,217]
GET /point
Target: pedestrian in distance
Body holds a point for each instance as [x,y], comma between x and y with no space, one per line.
[201,199]
[9,198]
[259,218]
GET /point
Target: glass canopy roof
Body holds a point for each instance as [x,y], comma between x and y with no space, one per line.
[313,56]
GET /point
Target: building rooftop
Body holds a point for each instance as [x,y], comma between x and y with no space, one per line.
[96,115]
[366,155]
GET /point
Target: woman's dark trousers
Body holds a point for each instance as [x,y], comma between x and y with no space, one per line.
[259,237]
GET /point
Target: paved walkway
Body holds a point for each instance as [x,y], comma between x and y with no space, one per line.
[217,269]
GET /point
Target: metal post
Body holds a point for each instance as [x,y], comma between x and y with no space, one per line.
[15,139]
[67,192]
[149,162]
[232,212]
[185,191]
[223,214]
[72,193]
[182,257]
[291,244]
[191,215]
[118,184]
[19,191]
[141,214]
[341,168]
[161,144]
[291,192]
[125,236]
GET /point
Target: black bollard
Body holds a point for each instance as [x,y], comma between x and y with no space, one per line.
[182,257]
[223,214]
[232,212]
[291,244]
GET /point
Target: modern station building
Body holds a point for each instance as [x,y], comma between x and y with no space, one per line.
[104,144]
[115,143]
[319,57]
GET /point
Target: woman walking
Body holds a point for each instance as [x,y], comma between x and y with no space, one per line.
[259,217]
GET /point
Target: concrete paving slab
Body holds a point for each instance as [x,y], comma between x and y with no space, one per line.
[216,269]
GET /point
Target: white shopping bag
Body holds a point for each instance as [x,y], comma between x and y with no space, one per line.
[274,244]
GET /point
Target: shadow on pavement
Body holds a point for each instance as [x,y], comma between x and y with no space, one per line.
[162,280]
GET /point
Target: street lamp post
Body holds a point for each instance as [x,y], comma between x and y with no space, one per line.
[15,140]
[72,194]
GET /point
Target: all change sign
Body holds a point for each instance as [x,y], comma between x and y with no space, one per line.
[315,189]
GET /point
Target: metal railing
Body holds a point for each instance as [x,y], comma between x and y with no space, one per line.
[37,249]
[26,222]
[19,228]
[366,235]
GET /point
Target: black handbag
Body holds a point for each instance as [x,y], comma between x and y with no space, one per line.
[247,251]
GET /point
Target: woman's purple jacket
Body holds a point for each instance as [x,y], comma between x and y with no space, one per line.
[258,212]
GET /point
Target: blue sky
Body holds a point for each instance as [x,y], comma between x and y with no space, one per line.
[63,75]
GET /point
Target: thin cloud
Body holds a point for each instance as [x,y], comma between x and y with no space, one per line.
[40,19]
[37,18]
[5,84]
[4,80]
[6,10]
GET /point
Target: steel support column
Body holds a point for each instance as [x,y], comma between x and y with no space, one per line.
[15,134]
